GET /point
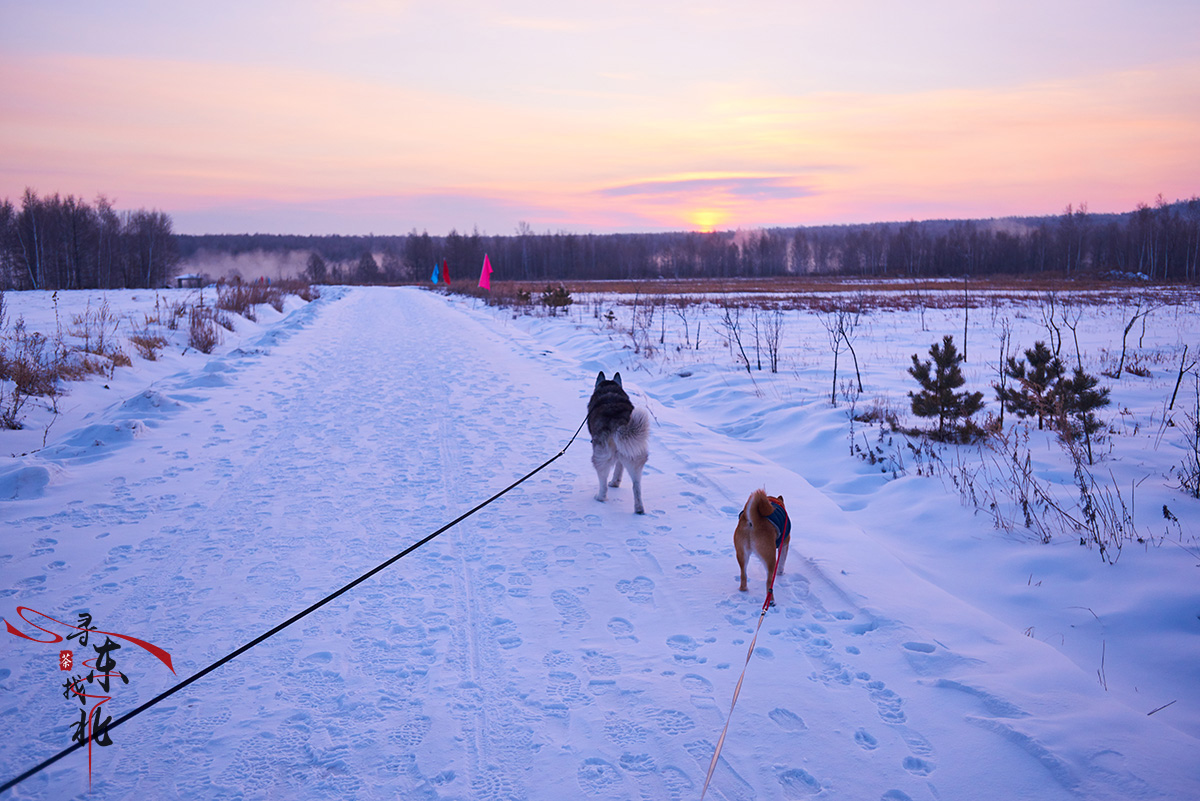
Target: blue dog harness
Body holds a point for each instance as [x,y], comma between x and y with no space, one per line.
[782,523]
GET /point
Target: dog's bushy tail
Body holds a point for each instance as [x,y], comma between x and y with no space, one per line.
[638,426]
[630,439]
[759,507]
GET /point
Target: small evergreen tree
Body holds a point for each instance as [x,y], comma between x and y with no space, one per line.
[555,298]
[1033,390]
[939,379]
[1078,399]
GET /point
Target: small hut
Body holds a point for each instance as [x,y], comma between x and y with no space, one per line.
[189,281]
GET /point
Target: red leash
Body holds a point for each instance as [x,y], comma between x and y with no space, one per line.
[767,604]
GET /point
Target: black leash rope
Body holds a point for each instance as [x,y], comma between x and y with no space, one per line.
[92,735]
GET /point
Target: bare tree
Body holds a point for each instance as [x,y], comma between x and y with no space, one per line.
[1002,381]
[839,323]
[1049,309]
[849,329]
[731,322]
[681,307]
[755,324]
[773,330]
[1184,367]
[1138,313]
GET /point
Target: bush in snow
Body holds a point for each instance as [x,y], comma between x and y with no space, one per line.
[939,379]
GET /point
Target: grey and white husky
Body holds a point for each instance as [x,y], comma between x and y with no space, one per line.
[619,437]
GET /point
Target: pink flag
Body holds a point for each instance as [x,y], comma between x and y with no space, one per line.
[485,275]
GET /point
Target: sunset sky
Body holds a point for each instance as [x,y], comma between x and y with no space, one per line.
[384,117]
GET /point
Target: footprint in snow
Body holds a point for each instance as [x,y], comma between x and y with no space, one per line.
[597,550]
[43,546]
[600,664]
[917,767]
[570,607]
[557,658]
[638,591]
[596,776]
[623,732]
[505,632]
[916,743]
[672,721]
[638,763]
[682,643]
[798,783]
[535,562]
[865,740]
[566,686]
[621,628]
[33,582]
[685,648]
[787,719]
[887,702]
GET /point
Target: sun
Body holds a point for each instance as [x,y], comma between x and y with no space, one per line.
[706,220]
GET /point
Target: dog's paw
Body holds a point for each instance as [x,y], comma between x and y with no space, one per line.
[602,497]
[616,482]
[638,510]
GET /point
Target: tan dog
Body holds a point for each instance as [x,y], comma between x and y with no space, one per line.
[763,528]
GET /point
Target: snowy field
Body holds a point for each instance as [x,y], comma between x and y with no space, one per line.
[554,647]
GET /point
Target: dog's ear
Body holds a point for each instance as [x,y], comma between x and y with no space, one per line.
[617,378]
[600,378]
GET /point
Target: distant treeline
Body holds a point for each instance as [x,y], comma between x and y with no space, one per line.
[1161,242]
[66,243]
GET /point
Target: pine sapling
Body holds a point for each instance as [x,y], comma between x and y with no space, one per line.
[939,379]
[1033,391]
[1078,399]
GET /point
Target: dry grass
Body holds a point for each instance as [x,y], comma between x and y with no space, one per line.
[25,362]
[32,371]
[96,327]
[818,293]
[147,344]
[202,329]
[241,298]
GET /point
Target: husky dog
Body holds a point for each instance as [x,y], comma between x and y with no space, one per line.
[763,527]
[619,433]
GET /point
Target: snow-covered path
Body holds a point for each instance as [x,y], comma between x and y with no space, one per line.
[548,647]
